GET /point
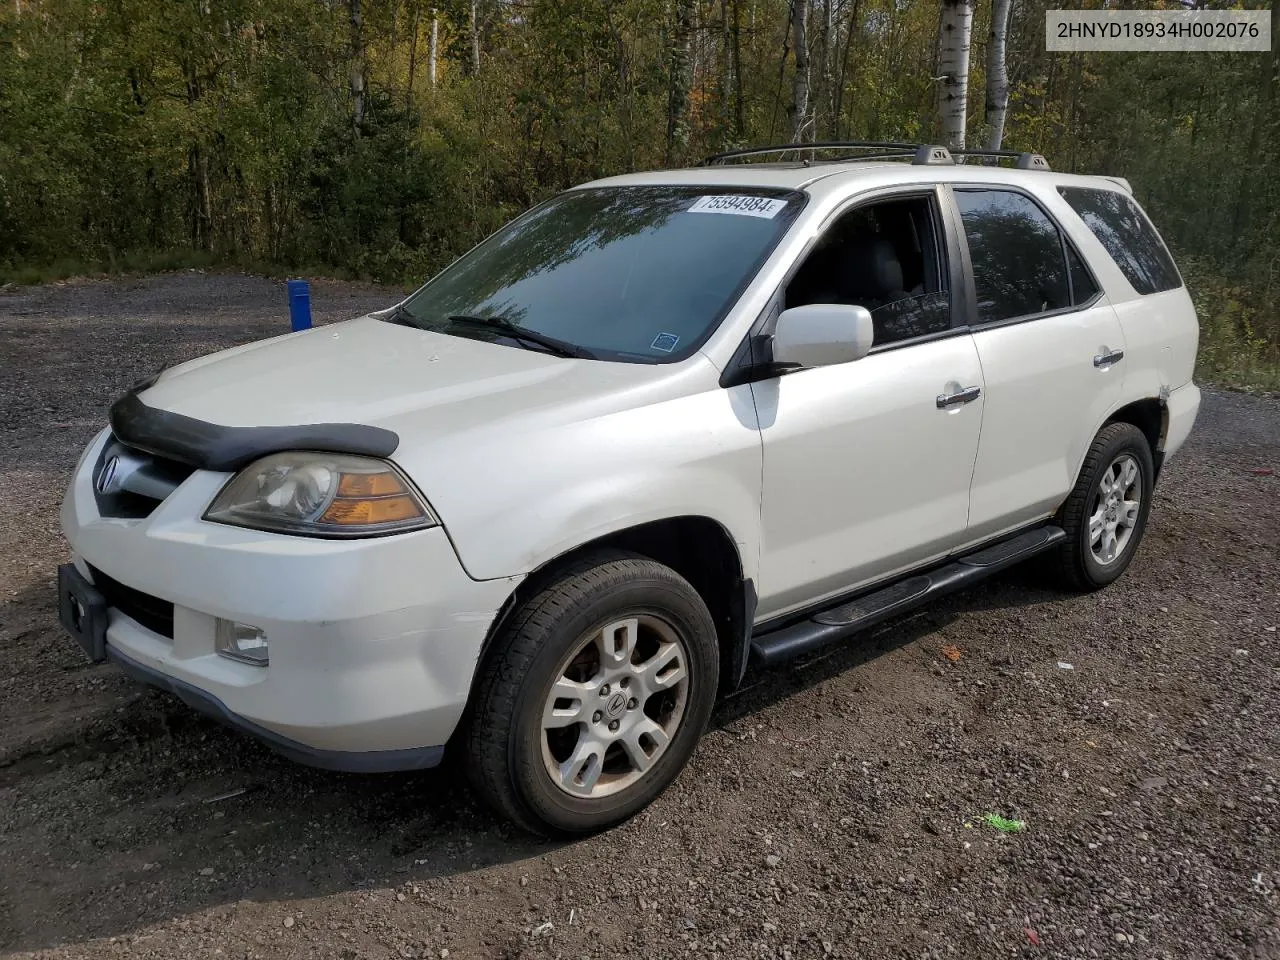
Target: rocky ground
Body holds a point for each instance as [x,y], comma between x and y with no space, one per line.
[835,810]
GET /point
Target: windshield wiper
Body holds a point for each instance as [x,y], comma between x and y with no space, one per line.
[402,317]
[552,345]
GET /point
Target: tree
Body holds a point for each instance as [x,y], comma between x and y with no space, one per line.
[997,105]
[955,30]
[680,80]
[799,112]
[357,65]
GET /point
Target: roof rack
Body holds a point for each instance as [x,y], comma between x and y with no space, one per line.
[922,154]
[895,149]
[1022,161]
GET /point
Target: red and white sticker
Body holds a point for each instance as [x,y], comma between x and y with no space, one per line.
[764,207]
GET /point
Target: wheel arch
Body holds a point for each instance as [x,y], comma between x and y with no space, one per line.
[1151,416]
[698,548]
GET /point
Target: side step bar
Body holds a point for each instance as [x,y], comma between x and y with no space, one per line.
[854,616]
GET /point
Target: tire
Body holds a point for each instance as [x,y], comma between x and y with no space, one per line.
[585,762]
[1084,558]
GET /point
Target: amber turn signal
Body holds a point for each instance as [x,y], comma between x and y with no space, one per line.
[352,512]
[361,485]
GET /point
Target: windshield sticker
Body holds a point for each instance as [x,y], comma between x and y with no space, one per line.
[666,342]
[741,206]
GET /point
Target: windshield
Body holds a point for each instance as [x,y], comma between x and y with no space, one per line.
[642,274]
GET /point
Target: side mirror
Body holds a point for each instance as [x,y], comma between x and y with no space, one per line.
[822,334]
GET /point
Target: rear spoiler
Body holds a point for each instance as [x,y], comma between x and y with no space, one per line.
[1128,188]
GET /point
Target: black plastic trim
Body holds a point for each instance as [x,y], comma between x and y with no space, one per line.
[840,619]
[210,446]
[923,338]
[742,616]
[1043,315]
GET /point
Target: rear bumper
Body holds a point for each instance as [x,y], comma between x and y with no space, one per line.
[1181,407]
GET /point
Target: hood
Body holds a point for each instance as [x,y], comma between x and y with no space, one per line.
[415,382]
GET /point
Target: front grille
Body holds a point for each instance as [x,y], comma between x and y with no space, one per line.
[152,612]
[130,483]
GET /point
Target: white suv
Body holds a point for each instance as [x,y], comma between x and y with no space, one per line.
[657,429]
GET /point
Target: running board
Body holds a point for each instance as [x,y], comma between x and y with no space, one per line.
[854,616]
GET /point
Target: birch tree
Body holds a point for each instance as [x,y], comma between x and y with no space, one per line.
[955,32]
[357,75]
[799,113]
[475,40]
[997,106]
[433,47]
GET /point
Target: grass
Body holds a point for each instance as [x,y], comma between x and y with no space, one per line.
[1003,824]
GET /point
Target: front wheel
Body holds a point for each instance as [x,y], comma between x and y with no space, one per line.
[594,696]
[1106,513]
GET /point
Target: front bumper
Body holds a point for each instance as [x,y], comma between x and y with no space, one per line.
[373,643]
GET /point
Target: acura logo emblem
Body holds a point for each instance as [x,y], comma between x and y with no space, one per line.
[108,475]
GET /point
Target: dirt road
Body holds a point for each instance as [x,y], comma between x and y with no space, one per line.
[831,811]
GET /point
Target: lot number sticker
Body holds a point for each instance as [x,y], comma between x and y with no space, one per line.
[742,206]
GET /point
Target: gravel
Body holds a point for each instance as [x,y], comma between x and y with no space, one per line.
[832,810]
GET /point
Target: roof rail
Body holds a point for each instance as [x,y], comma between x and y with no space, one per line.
[919,153]
[1023,161]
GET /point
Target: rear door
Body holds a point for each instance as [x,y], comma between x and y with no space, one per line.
[1155,311]
[1052,354]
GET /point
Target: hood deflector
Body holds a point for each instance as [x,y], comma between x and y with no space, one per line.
[210,446]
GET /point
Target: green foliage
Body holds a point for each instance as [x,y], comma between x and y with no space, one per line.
[135,133]
[1238,345]
[1003,824]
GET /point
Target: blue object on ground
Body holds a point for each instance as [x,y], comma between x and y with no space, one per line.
[299,305]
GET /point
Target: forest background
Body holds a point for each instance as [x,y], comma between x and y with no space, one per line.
[381,138]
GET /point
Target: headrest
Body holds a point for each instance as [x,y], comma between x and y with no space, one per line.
[872,268]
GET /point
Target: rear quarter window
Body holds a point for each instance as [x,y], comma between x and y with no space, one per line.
[1126,233]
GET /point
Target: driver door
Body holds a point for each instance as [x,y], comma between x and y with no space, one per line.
[867,465]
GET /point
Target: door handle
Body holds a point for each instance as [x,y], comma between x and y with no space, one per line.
[967,395]
[1108,358]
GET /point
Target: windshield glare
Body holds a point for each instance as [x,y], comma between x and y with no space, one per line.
[643,274]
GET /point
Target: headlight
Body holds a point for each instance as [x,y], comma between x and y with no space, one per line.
[321,495]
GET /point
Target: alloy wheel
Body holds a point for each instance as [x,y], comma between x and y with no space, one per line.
[615,705]
[1114,512]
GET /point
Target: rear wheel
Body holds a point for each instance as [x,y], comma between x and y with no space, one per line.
[594,696]
[1106,513]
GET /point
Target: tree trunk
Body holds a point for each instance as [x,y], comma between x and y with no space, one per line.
[357,66]
[739,116]
[799,113]
[413,55]
[997,74]
[679,81]
[475,41]
[853,30]
[955,32]
[434,49]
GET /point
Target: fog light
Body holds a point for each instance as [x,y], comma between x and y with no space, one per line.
[240,641]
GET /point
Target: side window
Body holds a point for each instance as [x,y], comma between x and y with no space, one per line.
[886,257]
[1126,233]
[1017,253]
[1083,289]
